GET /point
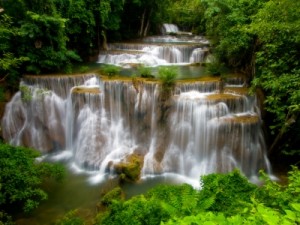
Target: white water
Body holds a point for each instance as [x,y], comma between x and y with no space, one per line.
[157,50]
[202,133]
[169,28]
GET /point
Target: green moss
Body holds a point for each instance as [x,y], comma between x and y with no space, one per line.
[114,194]
[130,169]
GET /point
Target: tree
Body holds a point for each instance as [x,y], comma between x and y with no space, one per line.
[278,70]
[44,42]
[80,26]
[188,15]
[226,23]
[9,64]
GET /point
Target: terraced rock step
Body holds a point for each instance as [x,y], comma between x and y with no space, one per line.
[237,90]
[240,119]
[86,90]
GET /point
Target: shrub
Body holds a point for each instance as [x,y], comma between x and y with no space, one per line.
[21,177]
[145,72]
[111,70]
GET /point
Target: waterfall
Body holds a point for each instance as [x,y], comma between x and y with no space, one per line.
[100,122]
[152,55]
[168,28]
[157,50]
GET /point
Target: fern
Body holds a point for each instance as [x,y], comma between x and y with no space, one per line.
[206,203]
[189,199]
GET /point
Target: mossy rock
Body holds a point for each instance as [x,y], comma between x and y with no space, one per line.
[130,169]
[114,194]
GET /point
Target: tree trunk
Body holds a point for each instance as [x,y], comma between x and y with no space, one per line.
[147,25]
[104,44]
[290,120]
[142,23]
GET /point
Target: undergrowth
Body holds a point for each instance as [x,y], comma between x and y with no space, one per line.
[224,199]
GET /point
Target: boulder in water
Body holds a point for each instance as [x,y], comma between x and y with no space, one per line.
[130,169]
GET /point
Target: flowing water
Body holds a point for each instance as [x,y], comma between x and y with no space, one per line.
[207,125]
[182,49]
[96,124]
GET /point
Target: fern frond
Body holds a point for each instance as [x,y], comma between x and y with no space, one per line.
[206,203]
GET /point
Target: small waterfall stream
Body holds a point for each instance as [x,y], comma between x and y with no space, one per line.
[181,49]
[98,123]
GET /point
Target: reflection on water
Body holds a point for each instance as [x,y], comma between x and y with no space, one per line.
[72,193]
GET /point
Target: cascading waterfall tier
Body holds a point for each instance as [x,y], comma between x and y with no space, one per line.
[205,127]
[158,50]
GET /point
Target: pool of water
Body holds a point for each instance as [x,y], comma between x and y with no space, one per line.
[80,191]
[73,193]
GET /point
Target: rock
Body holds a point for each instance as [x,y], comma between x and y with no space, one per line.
[130,169]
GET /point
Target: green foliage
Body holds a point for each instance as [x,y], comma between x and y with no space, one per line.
[21,177]
[278,69]
[145,72]
[9,63]
[226,199]
[215,67]
[281,196]
[231,191]
[71,218]
[49,53]
[113,195]
[111,70]
[4,218]
[130,170]
[167,75]
[137,210]
[84,69]
[188,15]
[26,93]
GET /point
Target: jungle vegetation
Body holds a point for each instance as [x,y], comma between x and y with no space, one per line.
[260,38]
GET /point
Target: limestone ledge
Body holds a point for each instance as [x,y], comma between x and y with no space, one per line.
[86,90]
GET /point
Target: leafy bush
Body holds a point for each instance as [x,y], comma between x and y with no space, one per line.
[26,93]
[232,191]
[167,75]
[215,67]
[70,218]
[111,70]
[113,195]
[224,199]
[21,177]
[138,210]
[145,72]
[84,69]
